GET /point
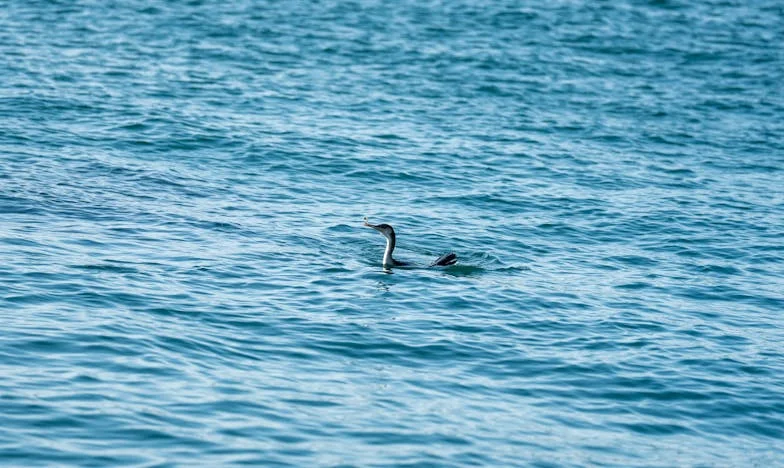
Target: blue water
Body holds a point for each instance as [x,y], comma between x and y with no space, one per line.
[185,279]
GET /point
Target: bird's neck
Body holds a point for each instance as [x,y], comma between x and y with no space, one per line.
[388,252]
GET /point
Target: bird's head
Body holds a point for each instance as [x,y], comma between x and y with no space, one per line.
[384,229]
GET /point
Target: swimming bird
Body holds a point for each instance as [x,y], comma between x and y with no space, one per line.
[389,261]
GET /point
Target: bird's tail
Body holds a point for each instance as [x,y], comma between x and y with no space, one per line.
[445,260]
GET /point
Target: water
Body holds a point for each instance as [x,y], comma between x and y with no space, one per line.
[185,279]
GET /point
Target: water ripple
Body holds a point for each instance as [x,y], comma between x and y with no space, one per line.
[184,274]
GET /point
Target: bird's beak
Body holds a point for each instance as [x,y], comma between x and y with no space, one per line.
[369,225]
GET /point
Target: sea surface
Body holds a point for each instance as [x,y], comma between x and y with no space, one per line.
[185,279]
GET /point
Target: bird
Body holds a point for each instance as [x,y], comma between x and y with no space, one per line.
[389,261]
